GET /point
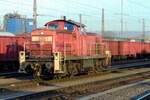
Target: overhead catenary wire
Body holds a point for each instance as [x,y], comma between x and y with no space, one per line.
[92,12]
[52,9]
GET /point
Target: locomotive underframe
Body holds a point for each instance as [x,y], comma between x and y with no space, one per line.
[69,65]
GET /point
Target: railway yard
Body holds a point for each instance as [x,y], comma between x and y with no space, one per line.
[56,65]
[73,50]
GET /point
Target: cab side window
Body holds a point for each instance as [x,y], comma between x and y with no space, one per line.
[69,27]
[53,26]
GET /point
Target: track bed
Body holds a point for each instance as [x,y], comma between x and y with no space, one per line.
[127,92]
[72,88]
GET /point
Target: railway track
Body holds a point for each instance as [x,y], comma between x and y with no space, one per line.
[14,77]
[133,64]
[119,65]
[129,61]
[135,91]
[74,92]
[143,96]
[19,87]
[74,88]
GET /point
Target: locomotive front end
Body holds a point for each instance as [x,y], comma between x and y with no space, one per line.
[40,45]
[39,52]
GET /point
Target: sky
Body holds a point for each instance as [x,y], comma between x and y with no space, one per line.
[133,12]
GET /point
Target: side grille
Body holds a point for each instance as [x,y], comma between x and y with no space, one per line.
[40,51]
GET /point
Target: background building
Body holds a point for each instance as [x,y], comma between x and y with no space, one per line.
[16,23]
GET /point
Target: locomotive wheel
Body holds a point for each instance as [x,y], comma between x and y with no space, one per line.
[58,76]
[28,68]
[107,62]
[95,69]
[98,65]
[79,68]
[47,73]
[73,70]
[37,72]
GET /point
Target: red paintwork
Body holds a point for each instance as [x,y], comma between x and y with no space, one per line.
[112,46]
[125,48]
[68,43]
[146,47]
[77,44]
[134,48]
[10,47]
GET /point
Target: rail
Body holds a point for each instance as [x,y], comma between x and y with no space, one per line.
[143,96]
[84,88]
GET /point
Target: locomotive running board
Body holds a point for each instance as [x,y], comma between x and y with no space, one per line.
[84,57]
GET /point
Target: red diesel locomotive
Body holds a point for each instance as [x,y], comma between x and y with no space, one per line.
[63,48]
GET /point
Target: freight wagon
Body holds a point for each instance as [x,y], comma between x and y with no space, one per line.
[10,46]
[127,49]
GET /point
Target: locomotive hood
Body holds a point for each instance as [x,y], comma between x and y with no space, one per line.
[42,32]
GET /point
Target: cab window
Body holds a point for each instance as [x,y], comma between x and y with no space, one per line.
[53,26]
[69,27]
